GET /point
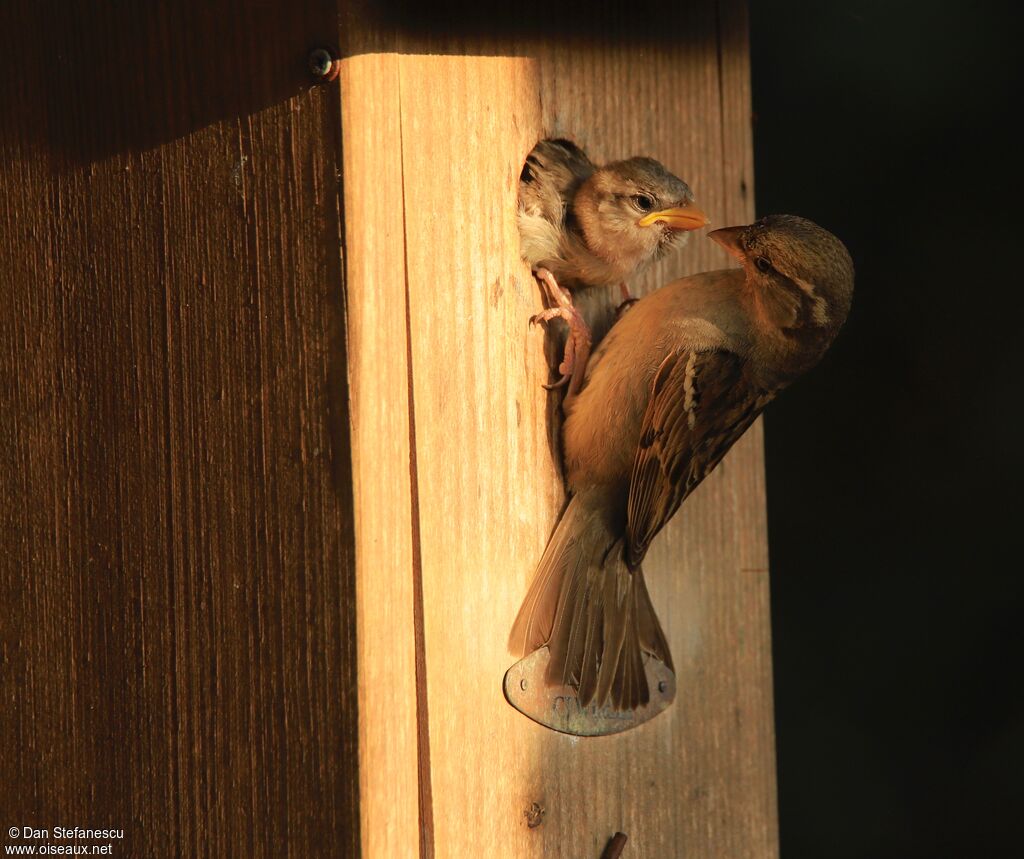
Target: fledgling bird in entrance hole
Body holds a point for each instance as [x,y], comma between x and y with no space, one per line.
[585,226]
[675,382]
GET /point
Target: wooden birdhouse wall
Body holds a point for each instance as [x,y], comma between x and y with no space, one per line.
[278,465]
[455,449]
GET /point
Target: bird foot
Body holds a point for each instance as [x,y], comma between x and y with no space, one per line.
[577,345]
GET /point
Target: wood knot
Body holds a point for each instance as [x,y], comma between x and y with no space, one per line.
[534,815]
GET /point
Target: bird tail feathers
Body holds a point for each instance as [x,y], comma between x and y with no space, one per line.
[593,612]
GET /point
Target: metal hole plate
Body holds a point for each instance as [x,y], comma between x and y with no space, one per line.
[557,707]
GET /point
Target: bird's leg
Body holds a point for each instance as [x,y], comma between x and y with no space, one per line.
[627,301]
[556,295]
[577,345]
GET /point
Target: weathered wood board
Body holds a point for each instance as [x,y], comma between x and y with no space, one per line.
[177,623]
[178,501]
[455,451]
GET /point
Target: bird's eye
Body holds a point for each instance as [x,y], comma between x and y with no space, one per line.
[763,265]
[643,202]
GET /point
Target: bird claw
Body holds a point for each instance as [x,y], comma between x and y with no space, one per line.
[546,316]
[561,383]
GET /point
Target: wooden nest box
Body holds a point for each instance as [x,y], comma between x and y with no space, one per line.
[278,465]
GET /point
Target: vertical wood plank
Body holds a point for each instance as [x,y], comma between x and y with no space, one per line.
[698,780]
[379,393]
[485,468]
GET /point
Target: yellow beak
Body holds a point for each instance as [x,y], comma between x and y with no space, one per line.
[687,217]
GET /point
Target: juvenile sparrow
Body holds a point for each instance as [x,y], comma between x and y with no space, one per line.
[583,226]
[675,382]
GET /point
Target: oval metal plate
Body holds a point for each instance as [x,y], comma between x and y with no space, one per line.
[558,708]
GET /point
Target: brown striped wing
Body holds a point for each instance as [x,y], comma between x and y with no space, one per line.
[701,403]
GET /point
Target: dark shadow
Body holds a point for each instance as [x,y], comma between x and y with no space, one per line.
[894,470]
[93,79]
[461,26]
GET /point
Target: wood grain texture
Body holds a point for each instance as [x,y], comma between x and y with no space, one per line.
[485,468]
[472,99]
[176,569]
[379,393]
[175,484]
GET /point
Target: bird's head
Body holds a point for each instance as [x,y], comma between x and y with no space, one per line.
[631,212]
[799,278]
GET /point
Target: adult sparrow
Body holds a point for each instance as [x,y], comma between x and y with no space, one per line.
[672,386]
[585,226]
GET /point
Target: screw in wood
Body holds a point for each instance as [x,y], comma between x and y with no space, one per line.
[323,65]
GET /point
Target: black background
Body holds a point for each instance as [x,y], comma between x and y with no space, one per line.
[894,469]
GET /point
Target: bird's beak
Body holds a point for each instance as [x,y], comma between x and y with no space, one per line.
[729,238]
[687,217]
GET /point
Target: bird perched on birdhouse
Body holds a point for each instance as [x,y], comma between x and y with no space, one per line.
[583,226]
[671,387]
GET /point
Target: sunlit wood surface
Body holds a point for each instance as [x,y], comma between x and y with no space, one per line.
[455,454]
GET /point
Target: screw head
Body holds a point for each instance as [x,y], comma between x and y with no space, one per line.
[321,64]
[662,686]
[522,684]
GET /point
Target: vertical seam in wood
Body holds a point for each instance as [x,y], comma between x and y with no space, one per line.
[426,810]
